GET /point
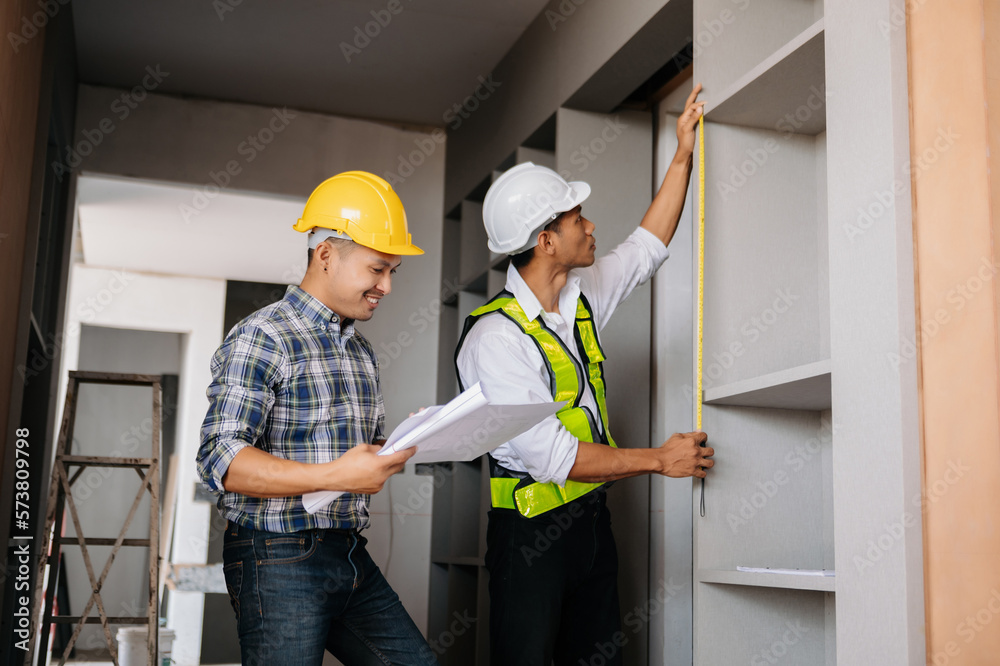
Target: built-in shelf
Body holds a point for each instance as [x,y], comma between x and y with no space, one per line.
[477,283]
[785,93]
[776,580]
[480,282]
[803,387]
[474,253]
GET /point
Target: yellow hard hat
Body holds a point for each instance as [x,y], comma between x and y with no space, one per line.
[364,207]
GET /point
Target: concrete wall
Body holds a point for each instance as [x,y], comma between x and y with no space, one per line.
[954,63]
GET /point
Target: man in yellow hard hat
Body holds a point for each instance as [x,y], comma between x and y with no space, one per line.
[296,407]
[537,341]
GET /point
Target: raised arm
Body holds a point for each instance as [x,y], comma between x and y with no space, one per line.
[662,216]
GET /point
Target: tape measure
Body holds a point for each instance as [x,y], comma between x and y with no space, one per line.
[701,282]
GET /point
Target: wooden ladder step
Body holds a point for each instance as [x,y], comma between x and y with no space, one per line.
[96,619]
[99,461]
[95,541]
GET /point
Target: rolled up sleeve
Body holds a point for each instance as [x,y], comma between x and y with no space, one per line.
[245,370]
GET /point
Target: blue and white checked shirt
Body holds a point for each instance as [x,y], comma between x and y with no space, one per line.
[289,381]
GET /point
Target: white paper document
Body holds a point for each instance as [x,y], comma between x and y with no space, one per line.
[788,572]
[464,429]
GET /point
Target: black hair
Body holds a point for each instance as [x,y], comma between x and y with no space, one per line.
[522,259]
[344,247]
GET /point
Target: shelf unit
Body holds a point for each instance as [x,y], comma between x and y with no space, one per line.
[799,320]
[766,370]
[458,577]
[474,252]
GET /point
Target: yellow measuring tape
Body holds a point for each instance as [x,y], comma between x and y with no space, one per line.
[701,281]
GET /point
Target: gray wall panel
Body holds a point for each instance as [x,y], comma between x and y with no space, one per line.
[764,502]
[876,458]
[763,313]
[754,626]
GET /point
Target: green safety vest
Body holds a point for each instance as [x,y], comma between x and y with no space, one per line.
[517,490]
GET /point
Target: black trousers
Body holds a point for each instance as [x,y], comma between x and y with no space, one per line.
[554,587]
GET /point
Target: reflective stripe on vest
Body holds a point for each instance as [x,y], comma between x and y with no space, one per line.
[513,490]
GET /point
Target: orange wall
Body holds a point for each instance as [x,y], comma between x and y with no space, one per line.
[953,74]
[20,76]
[992,58]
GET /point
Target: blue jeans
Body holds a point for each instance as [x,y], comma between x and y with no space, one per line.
[296,595]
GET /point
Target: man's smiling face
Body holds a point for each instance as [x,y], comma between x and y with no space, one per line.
[356,281]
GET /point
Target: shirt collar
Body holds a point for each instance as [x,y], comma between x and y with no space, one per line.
[313,309]
[529,302]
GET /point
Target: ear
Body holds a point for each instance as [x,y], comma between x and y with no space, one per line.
[547,242]
[325,257]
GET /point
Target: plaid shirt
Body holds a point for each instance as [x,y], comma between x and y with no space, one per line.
[289,381]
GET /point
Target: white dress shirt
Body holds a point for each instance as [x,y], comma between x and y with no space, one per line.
[507,362]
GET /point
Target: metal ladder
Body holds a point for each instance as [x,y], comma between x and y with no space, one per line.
[61,497]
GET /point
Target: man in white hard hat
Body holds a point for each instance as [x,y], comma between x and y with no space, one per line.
[537,341]
[295,406]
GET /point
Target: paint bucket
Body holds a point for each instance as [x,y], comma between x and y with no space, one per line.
[132,648]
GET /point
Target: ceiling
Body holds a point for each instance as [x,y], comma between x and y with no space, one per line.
[137,225]
[304,54]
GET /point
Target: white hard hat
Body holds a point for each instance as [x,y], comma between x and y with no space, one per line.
[522,201]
